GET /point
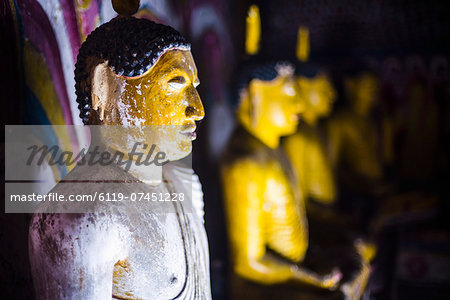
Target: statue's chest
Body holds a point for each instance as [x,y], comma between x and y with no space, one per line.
[156,265]
[278,187]
[166,254]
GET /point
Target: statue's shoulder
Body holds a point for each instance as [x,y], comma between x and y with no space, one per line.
[305,134]
[97,173]
[61,236]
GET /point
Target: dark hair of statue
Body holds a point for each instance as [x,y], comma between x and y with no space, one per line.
[308,70]
[131,46]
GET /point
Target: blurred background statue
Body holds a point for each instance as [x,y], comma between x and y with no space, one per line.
[352,134]
[307,153]
[353,145]
[264,206]
[305,148]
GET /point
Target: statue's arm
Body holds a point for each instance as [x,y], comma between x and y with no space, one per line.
[321,184]
[294,147]
[244,185]
[308,157]
[72,255]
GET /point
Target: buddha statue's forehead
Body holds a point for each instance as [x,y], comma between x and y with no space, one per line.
[275,83]
[172,62]
[281,85]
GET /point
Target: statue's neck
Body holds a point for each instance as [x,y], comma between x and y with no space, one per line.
[135,161]
[265,136]
[310,118]
[141,166]
[149,174]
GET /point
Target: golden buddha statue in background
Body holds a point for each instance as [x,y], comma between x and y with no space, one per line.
[351,133]
[308,156]
[264,201]
[264,206]
[131,75]
[305,148]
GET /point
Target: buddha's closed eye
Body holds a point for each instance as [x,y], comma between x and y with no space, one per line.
[177,82]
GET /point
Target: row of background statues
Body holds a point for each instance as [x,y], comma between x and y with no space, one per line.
[321,159]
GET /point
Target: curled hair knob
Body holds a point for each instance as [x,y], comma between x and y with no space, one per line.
[125,7]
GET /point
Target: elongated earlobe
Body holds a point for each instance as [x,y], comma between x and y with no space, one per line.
[102,82]
[246,108]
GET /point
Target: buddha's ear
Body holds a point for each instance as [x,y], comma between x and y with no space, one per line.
[102,83]
[245,107]
[254,102]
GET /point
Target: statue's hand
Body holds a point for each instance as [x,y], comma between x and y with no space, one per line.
[331,281]
[366,250]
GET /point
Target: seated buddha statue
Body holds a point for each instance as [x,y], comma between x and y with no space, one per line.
[354,147]
[305,148]
[307,154]
[131,75]
[265,210]
[352,135]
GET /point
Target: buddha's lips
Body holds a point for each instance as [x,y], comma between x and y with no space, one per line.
[189,131]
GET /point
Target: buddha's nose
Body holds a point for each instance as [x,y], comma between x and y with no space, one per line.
[195,108]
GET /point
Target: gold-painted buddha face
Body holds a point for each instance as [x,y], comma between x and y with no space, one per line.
[318,94]
[159,107]
[279,104]
[139,84]
[270,109]
[166,94]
